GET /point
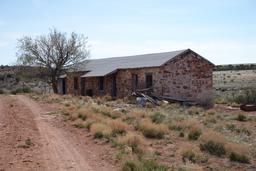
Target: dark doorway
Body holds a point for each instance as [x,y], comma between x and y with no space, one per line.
[63,86]
[89,92]
[149,80]
[83,86]
[113,87]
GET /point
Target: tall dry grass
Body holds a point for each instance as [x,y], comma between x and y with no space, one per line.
[152,130]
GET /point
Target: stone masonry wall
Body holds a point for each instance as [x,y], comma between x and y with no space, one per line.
[183,77]
[187,76]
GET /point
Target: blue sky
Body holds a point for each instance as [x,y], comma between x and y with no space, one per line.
[223,31]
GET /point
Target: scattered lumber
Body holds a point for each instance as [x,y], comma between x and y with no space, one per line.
[248,107]
[146,94]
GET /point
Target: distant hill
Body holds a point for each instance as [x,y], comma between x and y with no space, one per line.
[228,67]
[15,77]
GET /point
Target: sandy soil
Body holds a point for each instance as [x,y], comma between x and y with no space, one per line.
[30,139]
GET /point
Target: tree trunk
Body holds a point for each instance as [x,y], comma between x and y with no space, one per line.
[55,85]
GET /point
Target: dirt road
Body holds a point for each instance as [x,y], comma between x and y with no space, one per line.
[32,140]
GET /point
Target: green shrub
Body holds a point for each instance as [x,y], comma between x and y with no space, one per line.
[231,127]
[117,132]
[98,135]
[238,158]
[81,116]
[144,165]
[246,97]
[181,134]
[88,125]
[194,157]
[157,117]
[213,148]
[243,131]
[130,166]
[152,133]
[79,125]
[189,155]
[206,99]
[21,90]
[194,134]
[241,118]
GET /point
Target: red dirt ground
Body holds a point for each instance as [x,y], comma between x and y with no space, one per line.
[52,143]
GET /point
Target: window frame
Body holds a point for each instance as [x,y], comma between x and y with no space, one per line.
[135,81]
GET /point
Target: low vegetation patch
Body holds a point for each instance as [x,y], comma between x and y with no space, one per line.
[28,143]
[81,116]
[241,118]
[152,130]
[157,118]
[238,158]
[194,133]
[206,99]
[193,156]
[118,127]
[213,148]
[79,125]
[246,97]
[143,165]
[143,137]
[135,141]
[213,143]
[100,130]
[21,90]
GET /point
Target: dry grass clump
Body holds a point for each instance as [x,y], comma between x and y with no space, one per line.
[206,99]
[190,167]
[73,116]
[187,124]
[100,130]
[103,99]
[118,127]
[194,110]
[176,125]
[213,143]
[138,113]
[217,144]
[209,119]
[211,112]
[88,112]
[152,130]
[143,165]
[135,141]
[192,154]
[210,135]
[194,132]
[157,117]
[237,148]
[106,98]
[108,112]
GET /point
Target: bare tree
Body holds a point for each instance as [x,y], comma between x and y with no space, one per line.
[55,52]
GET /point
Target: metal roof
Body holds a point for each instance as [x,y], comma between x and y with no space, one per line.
[105,66]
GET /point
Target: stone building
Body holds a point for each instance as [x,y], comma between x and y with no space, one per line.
[181,74]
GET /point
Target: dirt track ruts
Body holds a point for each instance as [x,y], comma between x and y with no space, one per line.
[52,149]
